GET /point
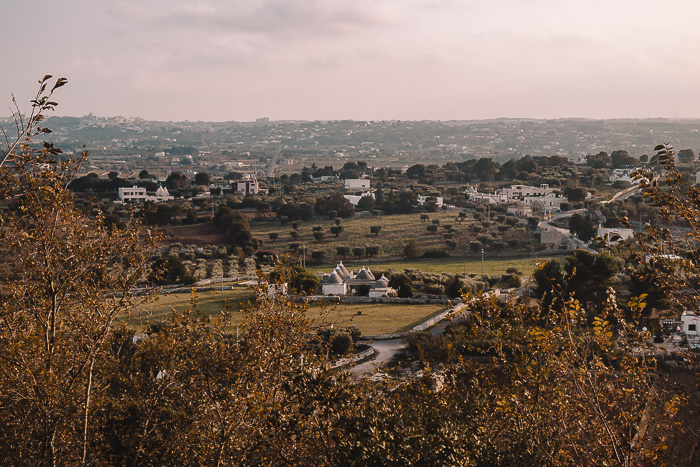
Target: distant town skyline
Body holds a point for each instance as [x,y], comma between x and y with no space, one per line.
[216,60]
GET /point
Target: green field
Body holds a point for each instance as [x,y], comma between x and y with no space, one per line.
[207,302]
[374,318]
[451,265]
[378,318]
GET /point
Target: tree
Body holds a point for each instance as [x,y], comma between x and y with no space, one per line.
[375,229]
[575,194]
[403,285]
[170,271]
[686,155]
[335,204]
[236,227]
[176,181]
[589,276]
[336,230]
[65,279]
[550,285]
[621,158]
[372,250]
[412,249]
[583,227]
[415,171]
[365,203]
[358,251]
[455,287]
[318,255]
[202,178]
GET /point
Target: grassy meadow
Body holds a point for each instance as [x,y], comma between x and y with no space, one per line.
[370,318]
[451,265]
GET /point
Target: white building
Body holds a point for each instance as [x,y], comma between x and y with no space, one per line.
[520,210]
[247,186]
[336,282]
[439,199]
[520,192]
[381,288]
[132,195]
[341,282]
[357,184]
[550,202]
[354,199]
[690,323]
[625,234]
[624,175]
[138,195]
[491,198]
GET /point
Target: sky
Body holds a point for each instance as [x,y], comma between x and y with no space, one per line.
[238,60]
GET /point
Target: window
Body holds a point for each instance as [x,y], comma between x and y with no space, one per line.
[691,327]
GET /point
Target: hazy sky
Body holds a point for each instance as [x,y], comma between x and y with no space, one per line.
[357,59]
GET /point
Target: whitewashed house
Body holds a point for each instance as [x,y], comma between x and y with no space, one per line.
[357,184]
[134,194]
[690,323]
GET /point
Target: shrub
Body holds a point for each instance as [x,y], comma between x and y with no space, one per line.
[372,250]
[412,249]
[434,289]
[318,256]
[435,253]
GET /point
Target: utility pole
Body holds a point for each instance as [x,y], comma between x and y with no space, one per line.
[482,264]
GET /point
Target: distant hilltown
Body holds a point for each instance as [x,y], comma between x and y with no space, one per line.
[131,144]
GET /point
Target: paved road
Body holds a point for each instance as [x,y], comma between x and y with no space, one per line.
[384,351]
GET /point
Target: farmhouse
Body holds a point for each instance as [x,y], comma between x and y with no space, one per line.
[137,194]
[612,233]
[247,186]
[354,199]
[522,199]
[357,184]
[689,324]
[342,282]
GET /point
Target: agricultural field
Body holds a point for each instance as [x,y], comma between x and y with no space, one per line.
[370,318]
[492,266]
[378,318]
[210,302]
[397,230]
